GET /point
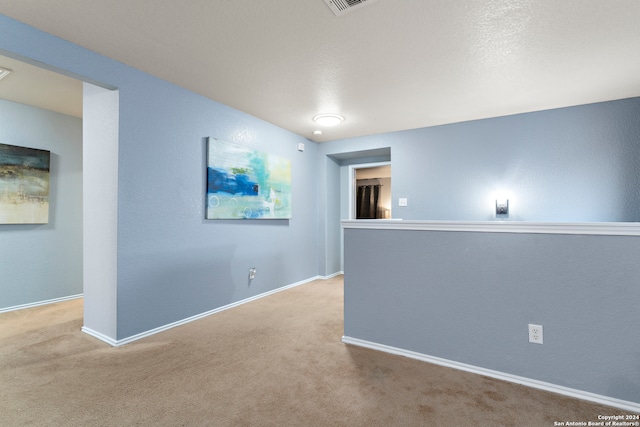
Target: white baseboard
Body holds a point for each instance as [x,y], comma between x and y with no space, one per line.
[339,273]
[39,303]
[100,336]
[578,394]
[117,343]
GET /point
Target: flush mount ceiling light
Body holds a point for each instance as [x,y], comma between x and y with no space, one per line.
[328,119]
[4,72]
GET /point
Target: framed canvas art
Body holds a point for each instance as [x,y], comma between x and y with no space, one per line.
[243,183]
[24,185]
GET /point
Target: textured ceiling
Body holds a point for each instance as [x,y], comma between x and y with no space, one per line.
[32,85]
[386,66]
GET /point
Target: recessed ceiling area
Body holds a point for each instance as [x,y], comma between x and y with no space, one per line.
[32,85]
[387,66]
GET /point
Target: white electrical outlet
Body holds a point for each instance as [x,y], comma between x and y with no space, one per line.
[535,333]
[252,273]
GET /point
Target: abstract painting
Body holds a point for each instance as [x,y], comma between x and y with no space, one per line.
[243,183]
[24,185]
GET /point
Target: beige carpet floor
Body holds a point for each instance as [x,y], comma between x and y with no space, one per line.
[276,361]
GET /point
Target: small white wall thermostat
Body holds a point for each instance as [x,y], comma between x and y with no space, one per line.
[300,146]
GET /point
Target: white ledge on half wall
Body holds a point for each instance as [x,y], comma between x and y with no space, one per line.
[585,228]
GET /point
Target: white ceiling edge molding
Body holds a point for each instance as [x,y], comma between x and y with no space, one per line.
[583,228]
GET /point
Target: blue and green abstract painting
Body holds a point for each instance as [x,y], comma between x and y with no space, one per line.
[243,183]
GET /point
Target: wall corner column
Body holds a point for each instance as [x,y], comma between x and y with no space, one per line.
[100,211]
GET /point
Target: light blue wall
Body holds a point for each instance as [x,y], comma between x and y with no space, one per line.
[44,262]
[172,264]
[578,164]
[468,297]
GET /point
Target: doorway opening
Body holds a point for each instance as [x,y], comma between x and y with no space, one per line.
[370,191]
[82,135]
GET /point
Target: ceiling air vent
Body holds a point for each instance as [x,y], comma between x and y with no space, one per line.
[340,7]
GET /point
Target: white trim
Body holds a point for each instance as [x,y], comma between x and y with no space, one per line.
[566,391]
[100,336]
[39,303]
[117,343]
[586,228]
[339,273]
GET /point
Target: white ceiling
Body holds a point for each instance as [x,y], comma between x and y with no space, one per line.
[32,85]
[388,65]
